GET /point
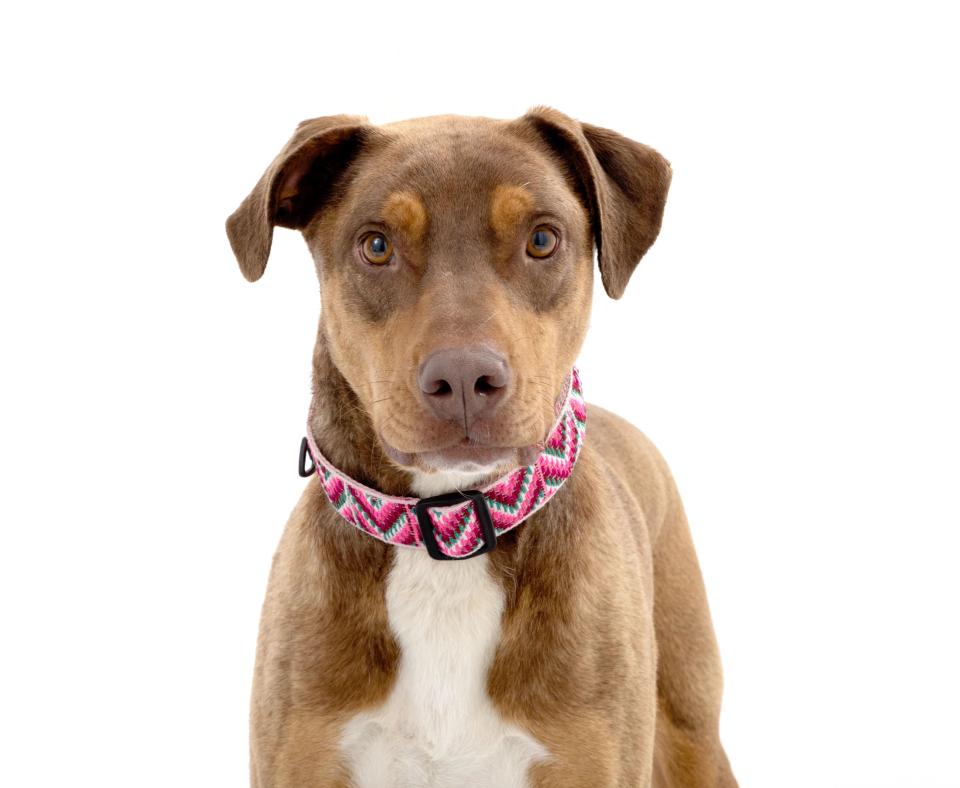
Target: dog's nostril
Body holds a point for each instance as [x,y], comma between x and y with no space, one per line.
[440,388]
[485,386]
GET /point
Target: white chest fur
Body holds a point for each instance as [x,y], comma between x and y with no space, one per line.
[438,728]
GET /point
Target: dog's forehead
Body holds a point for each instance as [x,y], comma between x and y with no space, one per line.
[458,167]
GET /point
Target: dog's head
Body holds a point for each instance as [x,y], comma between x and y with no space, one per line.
[455,260]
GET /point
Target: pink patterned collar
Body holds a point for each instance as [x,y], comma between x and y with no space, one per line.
[466,523]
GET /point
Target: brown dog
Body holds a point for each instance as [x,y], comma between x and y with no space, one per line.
[455,261]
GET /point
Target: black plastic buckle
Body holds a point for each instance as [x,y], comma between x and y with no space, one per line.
[302,467]
[448,499]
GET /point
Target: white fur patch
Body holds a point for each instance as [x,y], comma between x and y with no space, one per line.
[438,728]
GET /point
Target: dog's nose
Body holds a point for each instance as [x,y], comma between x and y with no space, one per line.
[465,383]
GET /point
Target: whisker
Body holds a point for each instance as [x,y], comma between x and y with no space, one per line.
[490,317]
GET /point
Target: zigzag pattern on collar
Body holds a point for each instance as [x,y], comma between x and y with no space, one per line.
[510,500]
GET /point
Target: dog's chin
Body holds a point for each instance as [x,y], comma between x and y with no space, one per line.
[465,457]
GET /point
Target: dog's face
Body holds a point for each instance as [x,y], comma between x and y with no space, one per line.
[455,261]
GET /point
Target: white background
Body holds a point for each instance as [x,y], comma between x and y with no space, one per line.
[790,343]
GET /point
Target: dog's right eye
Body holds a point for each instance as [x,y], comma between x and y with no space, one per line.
[376,249]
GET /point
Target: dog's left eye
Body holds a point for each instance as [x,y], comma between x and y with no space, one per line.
[376,249]
[542,241]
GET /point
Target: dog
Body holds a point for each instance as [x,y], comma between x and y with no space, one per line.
[563,638]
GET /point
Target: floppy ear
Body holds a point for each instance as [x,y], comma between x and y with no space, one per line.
[622,183]
[295,185]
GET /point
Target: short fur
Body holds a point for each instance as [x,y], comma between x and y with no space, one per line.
[604,664]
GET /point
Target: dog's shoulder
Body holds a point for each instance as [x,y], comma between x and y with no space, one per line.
[635,462]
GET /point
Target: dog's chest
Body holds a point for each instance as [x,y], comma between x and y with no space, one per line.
[438,728]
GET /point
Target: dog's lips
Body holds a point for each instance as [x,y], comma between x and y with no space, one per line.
[466,454]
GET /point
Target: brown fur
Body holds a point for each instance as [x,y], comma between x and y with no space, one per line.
[509,205]
[607,653]
[405,212]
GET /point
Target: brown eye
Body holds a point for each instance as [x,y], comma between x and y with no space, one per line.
[542,242]
[376,249]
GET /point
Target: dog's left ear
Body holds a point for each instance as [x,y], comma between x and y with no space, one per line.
[623,183]
[295,185]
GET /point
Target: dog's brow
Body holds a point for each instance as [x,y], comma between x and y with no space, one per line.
[406,212]
[508,206]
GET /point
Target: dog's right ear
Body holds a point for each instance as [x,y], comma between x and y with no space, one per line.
[295,185]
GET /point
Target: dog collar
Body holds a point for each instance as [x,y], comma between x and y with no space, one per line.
[463,523]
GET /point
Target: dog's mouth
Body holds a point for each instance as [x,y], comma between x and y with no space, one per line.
[466,455]
[488,443]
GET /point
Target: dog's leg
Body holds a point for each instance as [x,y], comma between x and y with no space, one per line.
[571,764]
[689,680]
[290,748]
[324,650]
[307,757]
